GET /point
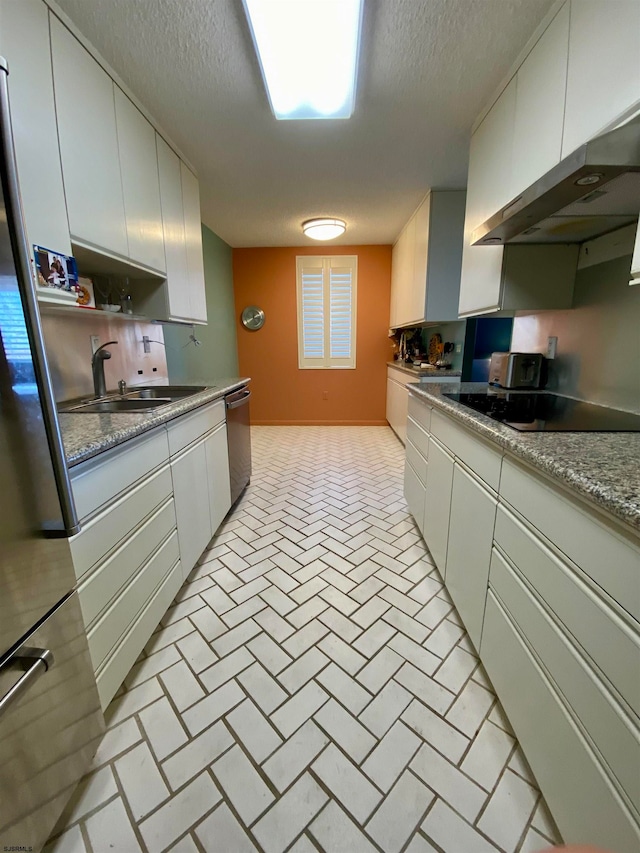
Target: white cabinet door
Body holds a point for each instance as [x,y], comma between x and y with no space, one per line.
[139,169]
[193,237]
[603,77]
[418,293]
[488,189]
[414,493]
[173,226]
[402,270]
[191,495]
[218,476]
[24,43]
[437,502]
[88,144]
[397,407]
[541,84]
[473,515]
[395,286]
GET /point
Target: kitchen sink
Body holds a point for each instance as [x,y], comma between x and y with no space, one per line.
[141,399]
[165,392]
[118,405]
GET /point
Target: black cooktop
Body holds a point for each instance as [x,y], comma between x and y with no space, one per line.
[537,412]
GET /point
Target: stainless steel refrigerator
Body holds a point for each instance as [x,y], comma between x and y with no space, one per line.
[50,718]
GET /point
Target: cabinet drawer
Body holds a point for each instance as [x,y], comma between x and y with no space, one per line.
[420,412]
[414,495]
[582,799]
[612,645]
[188,428]
[609,556]
[418,437]
[611,730]
[107,529]
[417,461]
[399,376]
[472,450]
[115,667]
[102,479]
[103,584]
[104,635]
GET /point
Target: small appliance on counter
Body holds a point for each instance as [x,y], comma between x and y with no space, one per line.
[516,369]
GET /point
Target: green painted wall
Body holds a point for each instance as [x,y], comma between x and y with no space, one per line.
[217,357]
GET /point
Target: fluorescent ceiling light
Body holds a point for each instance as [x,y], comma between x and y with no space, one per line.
[308,53]
[324,229]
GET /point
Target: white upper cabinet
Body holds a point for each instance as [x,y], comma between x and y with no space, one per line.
[425,264]
[488,189]
[635,260]
[541,84]
[179,306]
[193,238]
[603,79]
[24,42]
[140,185]
[88,137]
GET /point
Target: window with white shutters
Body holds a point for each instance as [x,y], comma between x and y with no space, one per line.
[326,311]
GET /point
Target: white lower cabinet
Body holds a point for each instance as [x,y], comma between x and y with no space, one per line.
[437,503]
[582,799]
[471,522]
[148,509]
[200,471]
[191,492]
[397,403]
[217,456]
[548,591]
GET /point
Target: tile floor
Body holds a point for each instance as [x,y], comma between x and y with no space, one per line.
[312,688]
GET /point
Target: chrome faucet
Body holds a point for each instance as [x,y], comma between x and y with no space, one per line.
[97,367]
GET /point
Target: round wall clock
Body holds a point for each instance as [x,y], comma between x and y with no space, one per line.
[253,318]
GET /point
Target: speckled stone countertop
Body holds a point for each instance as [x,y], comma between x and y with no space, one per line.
[422,372]
[603,467]
[85,435]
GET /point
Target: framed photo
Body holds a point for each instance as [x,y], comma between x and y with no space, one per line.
[56,275]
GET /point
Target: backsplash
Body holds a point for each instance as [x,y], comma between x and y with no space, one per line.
[68,345]
[454,332]
[598,339]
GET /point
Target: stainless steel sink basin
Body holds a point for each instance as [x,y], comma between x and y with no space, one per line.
[118,405]
[141,399]
[166,392]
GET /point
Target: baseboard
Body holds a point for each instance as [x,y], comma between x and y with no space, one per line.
[319,423]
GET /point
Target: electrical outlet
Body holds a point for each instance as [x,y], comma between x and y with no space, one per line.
[95,343]
[552,346]
[458,347]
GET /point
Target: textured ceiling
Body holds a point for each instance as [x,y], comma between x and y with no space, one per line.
[426,69]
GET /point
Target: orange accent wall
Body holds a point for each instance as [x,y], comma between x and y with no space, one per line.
[281,392]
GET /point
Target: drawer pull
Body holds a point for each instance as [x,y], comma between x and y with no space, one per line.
[34,662]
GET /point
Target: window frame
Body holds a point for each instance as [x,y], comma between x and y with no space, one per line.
[326,263]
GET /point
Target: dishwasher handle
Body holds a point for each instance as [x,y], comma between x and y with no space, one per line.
[233,401]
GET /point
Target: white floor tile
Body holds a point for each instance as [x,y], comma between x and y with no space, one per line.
[242,784]
[334,830]
[181,812]
[290,815]
[397,818]
[452,833]
[347,784]
[141,781]
[221,832]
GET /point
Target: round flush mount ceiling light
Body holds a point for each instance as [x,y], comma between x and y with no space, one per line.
[324,229]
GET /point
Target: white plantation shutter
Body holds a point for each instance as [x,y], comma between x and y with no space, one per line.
[326,311]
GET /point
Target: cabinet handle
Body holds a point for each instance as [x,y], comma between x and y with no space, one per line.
[34,662]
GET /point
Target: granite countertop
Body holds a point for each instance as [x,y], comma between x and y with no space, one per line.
[603,467]
[85,435]
[422,372]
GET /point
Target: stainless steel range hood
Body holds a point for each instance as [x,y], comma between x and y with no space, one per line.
[594,190]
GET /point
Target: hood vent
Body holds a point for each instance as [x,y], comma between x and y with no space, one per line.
[594,190]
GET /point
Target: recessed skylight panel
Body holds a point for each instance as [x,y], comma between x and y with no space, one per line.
[308,53]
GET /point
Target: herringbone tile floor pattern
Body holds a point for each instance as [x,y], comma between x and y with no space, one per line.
[312,688]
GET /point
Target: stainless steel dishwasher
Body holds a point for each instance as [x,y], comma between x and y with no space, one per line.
[238,440]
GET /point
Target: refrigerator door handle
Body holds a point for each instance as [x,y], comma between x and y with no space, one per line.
[34,662]
[22,255]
